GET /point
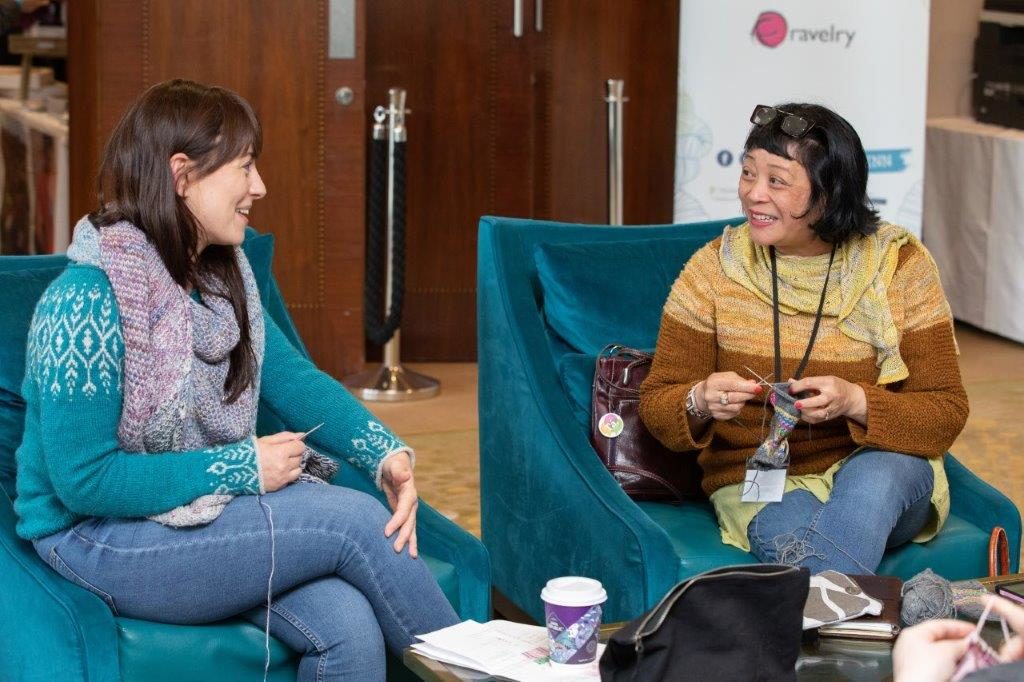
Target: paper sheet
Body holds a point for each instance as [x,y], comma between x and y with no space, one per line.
[502,648]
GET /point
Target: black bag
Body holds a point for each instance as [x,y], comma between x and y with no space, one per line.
[731,623]
[641,465]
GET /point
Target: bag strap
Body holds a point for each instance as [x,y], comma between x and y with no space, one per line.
[614,468]
[998,553]
[618,350]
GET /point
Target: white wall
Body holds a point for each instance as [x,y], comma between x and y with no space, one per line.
[954,26]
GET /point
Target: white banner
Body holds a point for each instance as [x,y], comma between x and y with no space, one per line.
[865,60]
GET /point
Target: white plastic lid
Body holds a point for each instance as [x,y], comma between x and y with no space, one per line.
[574,590]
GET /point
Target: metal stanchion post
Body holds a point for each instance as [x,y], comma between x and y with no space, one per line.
[391,382]
[615,100]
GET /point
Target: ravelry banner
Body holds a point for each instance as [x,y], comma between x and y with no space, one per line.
[866,60]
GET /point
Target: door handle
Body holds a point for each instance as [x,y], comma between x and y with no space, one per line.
[517,18]
[538,15]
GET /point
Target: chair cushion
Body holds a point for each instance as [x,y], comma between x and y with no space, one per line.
[693,531]
[227,650]
[596,293]
[959,552]
[576,372]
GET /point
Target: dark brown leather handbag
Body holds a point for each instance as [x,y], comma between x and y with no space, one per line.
[645,468]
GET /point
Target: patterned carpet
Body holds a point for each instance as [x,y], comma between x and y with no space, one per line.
[444,430]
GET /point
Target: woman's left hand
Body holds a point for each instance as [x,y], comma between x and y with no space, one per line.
[831,397]
[400,489]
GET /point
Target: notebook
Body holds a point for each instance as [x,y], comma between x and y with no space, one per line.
[883,627]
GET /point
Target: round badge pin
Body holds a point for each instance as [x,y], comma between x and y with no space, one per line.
[610,425]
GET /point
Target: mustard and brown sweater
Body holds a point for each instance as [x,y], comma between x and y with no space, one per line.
[711,323]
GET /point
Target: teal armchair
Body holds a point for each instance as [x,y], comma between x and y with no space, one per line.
[52,629]
[550,296]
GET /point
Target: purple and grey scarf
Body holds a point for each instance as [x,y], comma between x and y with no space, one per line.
[176,358]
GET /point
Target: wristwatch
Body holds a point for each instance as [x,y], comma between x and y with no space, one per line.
[691,404]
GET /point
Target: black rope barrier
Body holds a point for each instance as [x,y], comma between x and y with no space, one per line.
[378,326]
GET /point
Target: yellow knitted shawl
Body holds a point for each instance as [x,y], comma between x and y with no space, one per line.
[857,290]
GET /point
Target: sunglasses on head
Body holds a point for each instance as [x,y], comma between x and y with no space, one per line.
[792,125]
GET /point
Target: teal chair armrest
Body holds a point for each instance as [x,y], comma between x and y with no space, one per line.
[537,470]
[978,502]
[49,629]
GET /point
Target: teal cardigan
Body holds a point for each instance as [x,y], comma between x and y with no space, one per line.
[70,464]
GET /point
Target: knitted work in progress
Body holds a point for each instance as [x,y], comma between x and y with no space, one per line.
[773,453]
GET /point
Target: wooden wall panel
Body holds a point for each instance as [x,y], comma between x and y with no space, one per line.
[589,42]
[473,141]
[440,53]
[516,126]
[273,52]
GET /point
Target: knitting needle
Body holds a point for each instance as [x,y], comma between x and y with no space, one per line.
[765,382]
[302,436]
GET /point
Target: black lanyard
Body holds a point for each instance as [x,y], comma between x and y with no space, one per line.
[775,313]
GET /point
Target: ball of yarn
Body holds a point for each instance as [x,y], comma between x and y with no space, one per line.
[926,596]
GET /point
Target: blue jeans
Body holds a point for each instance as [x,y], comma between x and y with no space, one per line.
[340,591]
[879,500]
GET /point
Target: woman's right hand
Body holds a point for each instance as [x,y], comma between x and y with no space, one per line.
[280,458]
[736,389]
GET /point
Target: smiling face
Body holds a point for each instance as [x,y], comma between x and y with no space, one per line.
[775,193]
[221,200]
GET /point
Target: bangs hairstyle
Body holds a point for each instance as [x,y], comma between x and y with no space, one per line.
[833,156]
[211,126]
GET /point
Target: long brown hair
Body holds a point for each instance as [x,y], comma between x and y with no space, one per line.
[211,126]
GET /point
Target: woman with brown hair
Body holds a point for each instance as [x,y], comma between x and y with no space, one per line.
[140,477]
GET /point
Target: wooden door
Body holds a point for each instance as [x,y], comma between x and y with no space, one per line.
[275,54]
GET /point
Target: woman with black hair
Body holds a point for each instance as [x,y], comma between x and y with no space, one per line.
[809,355]
[141,478]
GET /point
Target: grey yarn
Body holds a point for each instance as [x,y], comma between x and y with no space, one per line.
[926,596]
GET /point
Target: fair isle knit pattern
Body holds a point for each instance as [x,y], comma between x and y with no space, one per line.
[713,323]
[76,353]
[373,439]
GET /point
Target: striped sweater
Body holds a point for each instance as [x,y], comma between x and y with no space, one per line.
[711,323]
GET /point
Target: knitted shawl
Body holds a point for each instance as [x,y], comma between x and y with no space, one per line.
[857,293]
[176,358]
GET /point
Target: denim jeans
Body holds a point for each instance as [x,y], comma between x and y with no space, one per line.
[879,500]
[340,591]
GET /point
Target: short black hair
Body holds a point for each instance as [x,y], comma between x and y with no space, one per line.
[833,156]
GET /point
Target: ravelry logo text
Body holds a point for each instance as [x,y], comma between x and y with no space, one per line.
[771,29]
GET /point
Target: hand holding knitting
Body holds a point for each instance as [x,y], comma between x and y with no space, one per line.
[1013,649]
[831,397]
[930,650]
[723,394]
[401,492]
[280,458]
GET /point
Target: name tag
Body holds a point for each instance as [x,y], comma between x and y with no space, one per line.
[763,485]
